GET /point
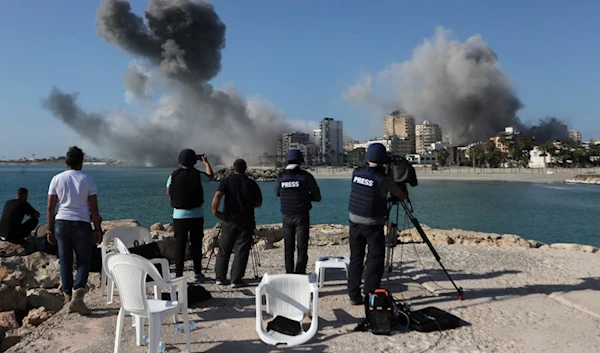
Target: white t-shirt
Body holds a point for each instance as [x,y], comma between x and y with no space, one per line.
[73,188]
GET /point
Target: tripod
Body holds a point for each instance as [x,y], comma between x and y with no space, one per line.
[254,253]
[392,239]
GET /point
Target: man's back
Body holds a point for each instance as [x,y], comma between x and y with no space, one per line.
[12,215]
[72,188]
[241,196]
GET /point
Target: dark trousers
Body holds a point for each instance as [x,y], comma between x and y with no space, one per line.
[362,236]
[194,228]
[74,236]
[234,238]
[22,231]
[295,234]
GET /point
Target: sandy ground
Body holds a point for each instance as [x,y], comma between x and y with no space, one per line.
[516,300]
[478,174]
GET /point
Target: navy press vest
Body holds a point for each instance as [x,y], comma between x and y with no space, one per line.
[366,199]
[186,189]
[293,192]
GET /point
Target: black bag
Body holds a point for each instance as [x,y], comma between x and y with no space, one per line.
[284,325]
[149,251]
[96,259]
[432,319]
[379,308]
[196,293]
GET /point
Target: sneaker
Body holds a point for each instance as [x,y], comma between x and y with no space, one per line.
[199,277]
[357,301]
[238,285]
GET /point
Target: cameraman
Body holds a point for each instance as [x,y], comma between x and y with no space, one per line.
[184,186]
[368,215]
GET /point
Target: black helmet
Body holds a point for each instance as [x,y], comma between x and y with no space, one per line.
[377,153]
[294,155]
[187,157]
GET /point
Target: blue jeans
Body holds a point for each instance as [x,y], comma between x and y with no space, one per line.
[74,236]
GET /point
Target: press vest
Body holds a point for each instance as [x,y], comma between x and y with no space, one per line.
[293,192]
[366,199]
[186,189]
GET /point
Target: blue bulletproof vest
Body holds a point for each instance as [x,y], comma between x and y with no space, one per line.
[366,199]
[293,192]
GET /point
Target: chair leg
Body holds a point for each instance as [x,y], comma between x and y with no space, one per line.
[186,325]
[173,298]
[110,291]
[138,322]
[102,281]
[118,329]
[154,333]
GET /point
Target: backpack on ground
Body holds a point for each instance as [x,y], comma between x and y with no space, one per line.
[380,311]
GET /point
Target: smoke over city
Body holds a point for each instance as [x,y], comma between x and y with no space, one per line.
[178,49]
[461,86]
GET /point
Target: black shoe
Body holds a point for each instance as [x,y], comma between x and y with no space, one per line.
[357,301]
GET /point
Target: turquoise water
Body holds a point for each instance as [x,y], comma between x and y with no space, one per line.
[546,212]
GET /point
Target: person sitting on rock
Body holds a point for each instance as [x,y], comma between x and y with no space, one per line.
[12,227]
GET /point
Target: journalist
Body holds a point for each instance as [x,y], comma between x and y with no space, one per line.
[368,214]
[296,189]
[184,186]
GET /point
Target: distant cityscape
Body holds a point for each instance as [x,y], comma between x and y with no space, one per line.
[427,144]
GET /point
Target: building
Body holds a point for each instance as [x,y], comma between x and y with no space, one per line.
[349,145]
[332,141]
[356,157]
[426,134]
[424,158]
[317,137]
[399,146]
[290,138]
[539,159]
[400,124]
[575,136]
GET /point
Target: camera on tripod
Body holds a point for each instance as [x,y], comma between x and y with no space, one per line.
[402,172]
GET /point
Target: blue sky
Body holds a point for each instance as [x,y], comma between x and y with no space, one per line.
[300,55]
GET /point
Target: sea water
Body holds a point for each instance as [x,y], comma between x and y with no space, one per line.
[548,212]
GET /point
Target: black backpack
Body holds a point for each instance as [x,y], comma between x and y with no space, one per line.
[380,311]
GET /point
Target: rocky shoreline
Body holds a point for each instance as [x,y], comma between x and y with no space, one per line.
[29,283]
[584,179]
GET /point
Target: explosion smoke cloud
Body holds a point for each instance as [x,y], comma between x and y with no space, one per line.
[462,86]
[179,45]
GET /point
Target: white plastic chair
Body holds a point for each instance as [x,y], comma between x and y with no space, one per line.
[128,236]
[164,265]
[129,273]
[287,295]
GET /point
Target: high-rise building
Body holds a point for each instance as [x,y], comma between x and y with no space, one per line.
[575,136]
[332,141]
[426,134]
[317,137]
[290,138]
[400,124]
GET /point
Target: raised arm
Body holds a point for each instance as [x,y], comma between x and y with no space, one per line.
[209,170]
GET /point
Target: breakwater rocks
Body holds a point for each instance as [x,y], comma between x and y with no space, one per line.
[257,175]
[584,179]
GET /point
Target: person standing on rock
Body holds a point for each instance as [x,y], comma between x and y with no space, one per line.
[242,196]
[184,186]
[368,213]
[75,194]
[296,189]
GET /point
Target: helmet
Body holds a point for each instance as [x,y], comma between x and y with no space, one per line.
[187,157]
[377,153]
[294,155]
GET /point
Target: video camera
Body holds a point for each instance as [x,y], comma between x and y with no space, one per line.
[402,172]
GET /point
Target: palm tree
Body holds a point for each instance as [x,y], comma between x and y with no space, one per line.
[442,156]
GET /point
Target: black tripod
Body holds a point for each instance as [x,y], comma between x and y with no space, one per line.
[254,253]
[391,239]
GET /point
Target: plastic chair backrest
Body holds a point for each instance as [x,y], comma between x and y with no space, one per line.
[120,247]
[129,273]
[288,295]
[128,235]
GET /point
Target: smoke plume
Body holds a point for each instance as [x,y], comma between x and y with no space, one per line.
[179,46]
[461,86]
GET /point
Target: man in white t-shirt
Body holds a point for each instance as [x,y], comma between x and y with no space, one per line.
[75,194]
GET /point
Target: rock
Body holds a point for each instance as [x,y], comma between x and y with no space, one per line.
[168,227]
[210,242]
[584,179]
[38,270]
[12,298]
[8,321]
[108,225]
[36,317]
[8,249]
[52,300]
[156,227]
[535,244]
[271,233]
[574,247]
[509,240]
